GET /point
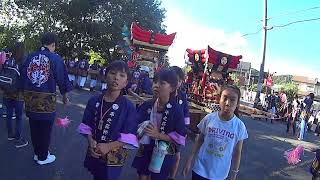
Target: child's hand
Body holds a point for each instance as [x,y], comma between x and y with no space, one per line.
[151,131]
[104,148]
[93,153]
[187,168]
[233,176]
[92,142]
[92,148]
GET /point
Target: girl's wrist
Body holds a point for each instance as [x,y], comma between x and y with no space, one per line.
[235,172]
[190,158]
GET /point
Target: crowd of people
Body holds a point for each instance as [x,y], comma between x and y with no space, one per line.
[80,71]
[298,114]
[113,124]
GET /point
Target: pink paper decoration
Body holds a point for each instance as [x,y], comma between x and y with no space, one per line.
[63,122]
[293,156]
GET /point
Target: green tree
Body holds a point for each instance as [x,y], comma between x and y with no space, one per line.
[254,87]
[81,25]
[282,79]
[291,90]
[94,56]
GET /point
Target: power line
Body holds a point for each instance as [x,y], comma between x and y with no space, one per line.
[279,26]
[276,16]
[247,34]
[280,15]
[253,33]
[295,22]
[293,12]
[283,25]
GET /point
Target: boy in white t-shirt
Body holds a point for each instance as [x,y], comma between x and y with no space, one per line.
[219,145]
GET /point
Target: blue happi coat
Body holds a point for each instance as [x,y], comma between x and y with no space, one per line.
[172,124]
[182,102]
[41,73]
[107,122]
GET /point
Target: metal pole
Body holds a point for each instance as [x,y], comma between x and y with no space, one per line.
[264,41]
[249,76]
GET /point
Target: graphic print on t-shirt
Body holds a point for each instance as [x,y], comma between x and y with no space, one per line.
[219,139]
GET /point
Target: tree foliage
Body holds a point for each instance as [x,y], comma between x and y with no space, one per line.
[254,87]
[282,79]
[81,25]
[94,56]
[291,89]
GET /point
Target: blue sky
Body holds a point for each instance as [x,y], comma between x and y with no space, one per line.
[221,24]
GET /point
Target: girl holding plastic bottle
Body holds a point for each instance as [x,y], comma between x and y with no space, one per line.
[162,129]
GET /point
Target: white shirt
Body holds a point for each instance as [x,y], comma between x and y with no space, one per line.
[220,138]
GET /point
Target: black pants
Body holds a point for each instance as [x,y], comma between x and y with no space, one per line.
[196,176]
[40,136]
[318,128]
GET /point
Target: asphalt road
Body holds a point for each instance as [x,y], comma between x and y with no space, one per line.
[262,153]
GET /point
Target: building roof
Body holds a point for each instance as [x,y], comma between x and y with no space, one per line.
[244,66]
[303,79]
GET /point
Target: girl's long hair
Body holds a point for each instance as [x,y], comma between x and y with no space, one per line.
[237,91]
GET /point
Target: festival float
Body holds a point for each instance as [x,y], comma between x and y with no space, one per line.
[210,68]
[145,48]
[209,71]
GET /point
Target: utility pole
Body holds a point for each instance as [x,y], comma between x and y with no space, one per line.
[264,43]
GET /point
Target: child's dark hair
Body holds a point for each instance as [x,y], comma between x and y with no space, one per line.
[48,38]
[169,76]
[178,71]
[311,95]
[290,106]
[237,91]
[119,66]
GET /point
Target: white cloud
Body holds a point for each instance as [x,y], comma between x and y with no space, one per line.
[193,35]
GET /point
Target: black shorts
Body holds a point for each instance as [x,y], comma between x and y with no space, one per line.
[196,176]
